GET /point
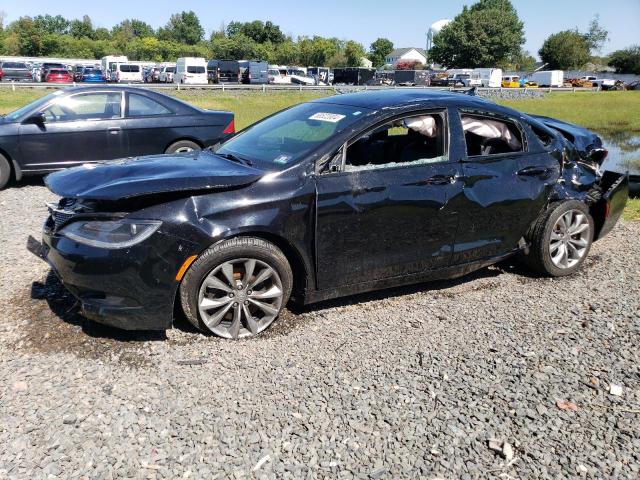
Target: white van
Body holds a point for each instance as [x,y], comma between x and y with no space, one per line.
[126,73]
[191,70]
[489,77]
[108,64]
[548,78]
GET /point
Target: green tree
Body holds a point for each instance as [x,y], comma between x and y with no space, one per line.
[27,37]
[81,28]
[182,27]
[597,36]
[523,61]
[484,35]
[354,53]
[565,50]
[626,60]
[49,24]
[133,28]
[258,31]
[316,51]
[101,33]
[286,53]
[378,50]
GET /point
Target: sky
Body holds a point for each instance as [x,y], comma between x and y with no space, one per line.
[404,23]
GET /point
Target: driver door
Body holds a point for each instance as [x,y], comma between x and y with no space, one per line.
[389,209]
[79,128]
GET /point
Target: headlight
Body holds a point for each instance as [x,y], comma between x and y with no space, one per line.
[110,233]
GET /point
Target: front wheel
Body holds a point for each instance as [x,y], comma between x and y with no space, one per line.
[237,288]
[561,239]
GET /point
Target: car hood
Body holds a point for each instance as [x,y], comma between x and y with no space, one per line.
[584,140]
[148,175]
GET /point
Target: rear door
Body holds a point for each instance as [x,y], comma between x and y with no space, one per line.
[149,125]
[79,128]
[391,209]
[508,177]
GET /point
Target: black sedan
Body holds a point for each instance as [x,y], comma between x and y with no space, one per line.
[337,196]
[87,124]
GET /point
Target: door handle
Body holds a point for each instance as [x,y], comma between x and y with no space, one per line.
[114,130]
[440,180]
[535,171]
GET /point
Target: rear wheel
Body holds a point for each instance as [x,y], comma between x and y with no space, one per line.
[5,171]
[561,239]
[237,288]
[183,146]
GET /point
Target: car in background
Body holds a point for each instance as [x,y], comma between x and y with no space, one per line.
[278,76]
[191,70]
[46,66]
[450,183]
[93,75]
[166,74]
[253,72]
[510,81]
[15,72]
[223,71]
[89,124]
[78,70]
[152,75]
[126,73]
[58,75]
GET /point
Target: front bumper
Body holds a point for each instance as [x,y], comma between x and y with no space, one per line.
[131,288]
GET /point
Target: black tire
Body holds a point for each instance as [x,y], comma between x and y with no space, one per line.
[225,251]
[5,171]
[183,146]
[539,258]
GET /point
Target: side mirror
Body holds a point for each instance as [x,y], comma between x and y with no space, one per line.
[36,119]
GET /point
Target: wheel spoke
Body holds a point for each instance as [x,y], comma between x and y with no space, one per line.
[578,242]
[227,271]
[565,256]
[557,258]
[562,224]
[555,235]
[265,307]
[234,329]
[251,323]
[262,276]
[577,229]
[214,282]
[249,267]
[272,292]
[553,246]
[214,320]
[573,250]
[209,303]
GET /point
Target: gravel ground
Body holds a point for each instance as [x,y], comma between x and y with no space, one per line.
[498,375]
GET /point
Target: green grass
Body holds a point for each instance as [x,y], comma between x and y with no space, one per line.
[608,113]
[632,211]
[614,115]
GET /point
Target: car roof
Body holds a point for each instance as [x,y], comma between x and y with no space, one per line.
[141,91]
[405,97]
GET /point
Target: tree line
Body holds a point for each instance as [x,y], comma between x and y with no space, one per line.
[183,35]
[488,33]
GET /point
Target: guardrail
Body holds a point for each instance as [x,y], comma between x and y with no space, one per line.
[268,87]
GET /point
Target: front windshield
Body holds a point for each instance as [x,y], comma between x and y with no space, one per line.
[288,136]
[15,115]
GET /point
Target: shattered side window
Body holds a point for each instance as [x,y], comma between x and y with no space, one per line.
[411,140]
[490,136]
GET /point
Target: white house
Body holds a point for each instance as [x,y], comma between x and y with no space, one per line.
[406,55]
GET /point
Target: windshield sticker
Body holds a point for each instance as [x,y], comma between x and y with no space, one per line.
[282,159]
[327,117]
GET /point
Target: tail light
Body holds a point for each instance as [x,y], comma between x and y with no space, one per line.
[231,128]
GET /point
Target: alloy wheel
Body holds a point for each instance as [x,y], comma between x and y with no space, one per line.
[184,150]
[240,298]
[569,240]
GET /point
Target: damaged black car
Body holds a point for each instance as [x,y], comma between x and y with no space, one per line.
[334,197]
